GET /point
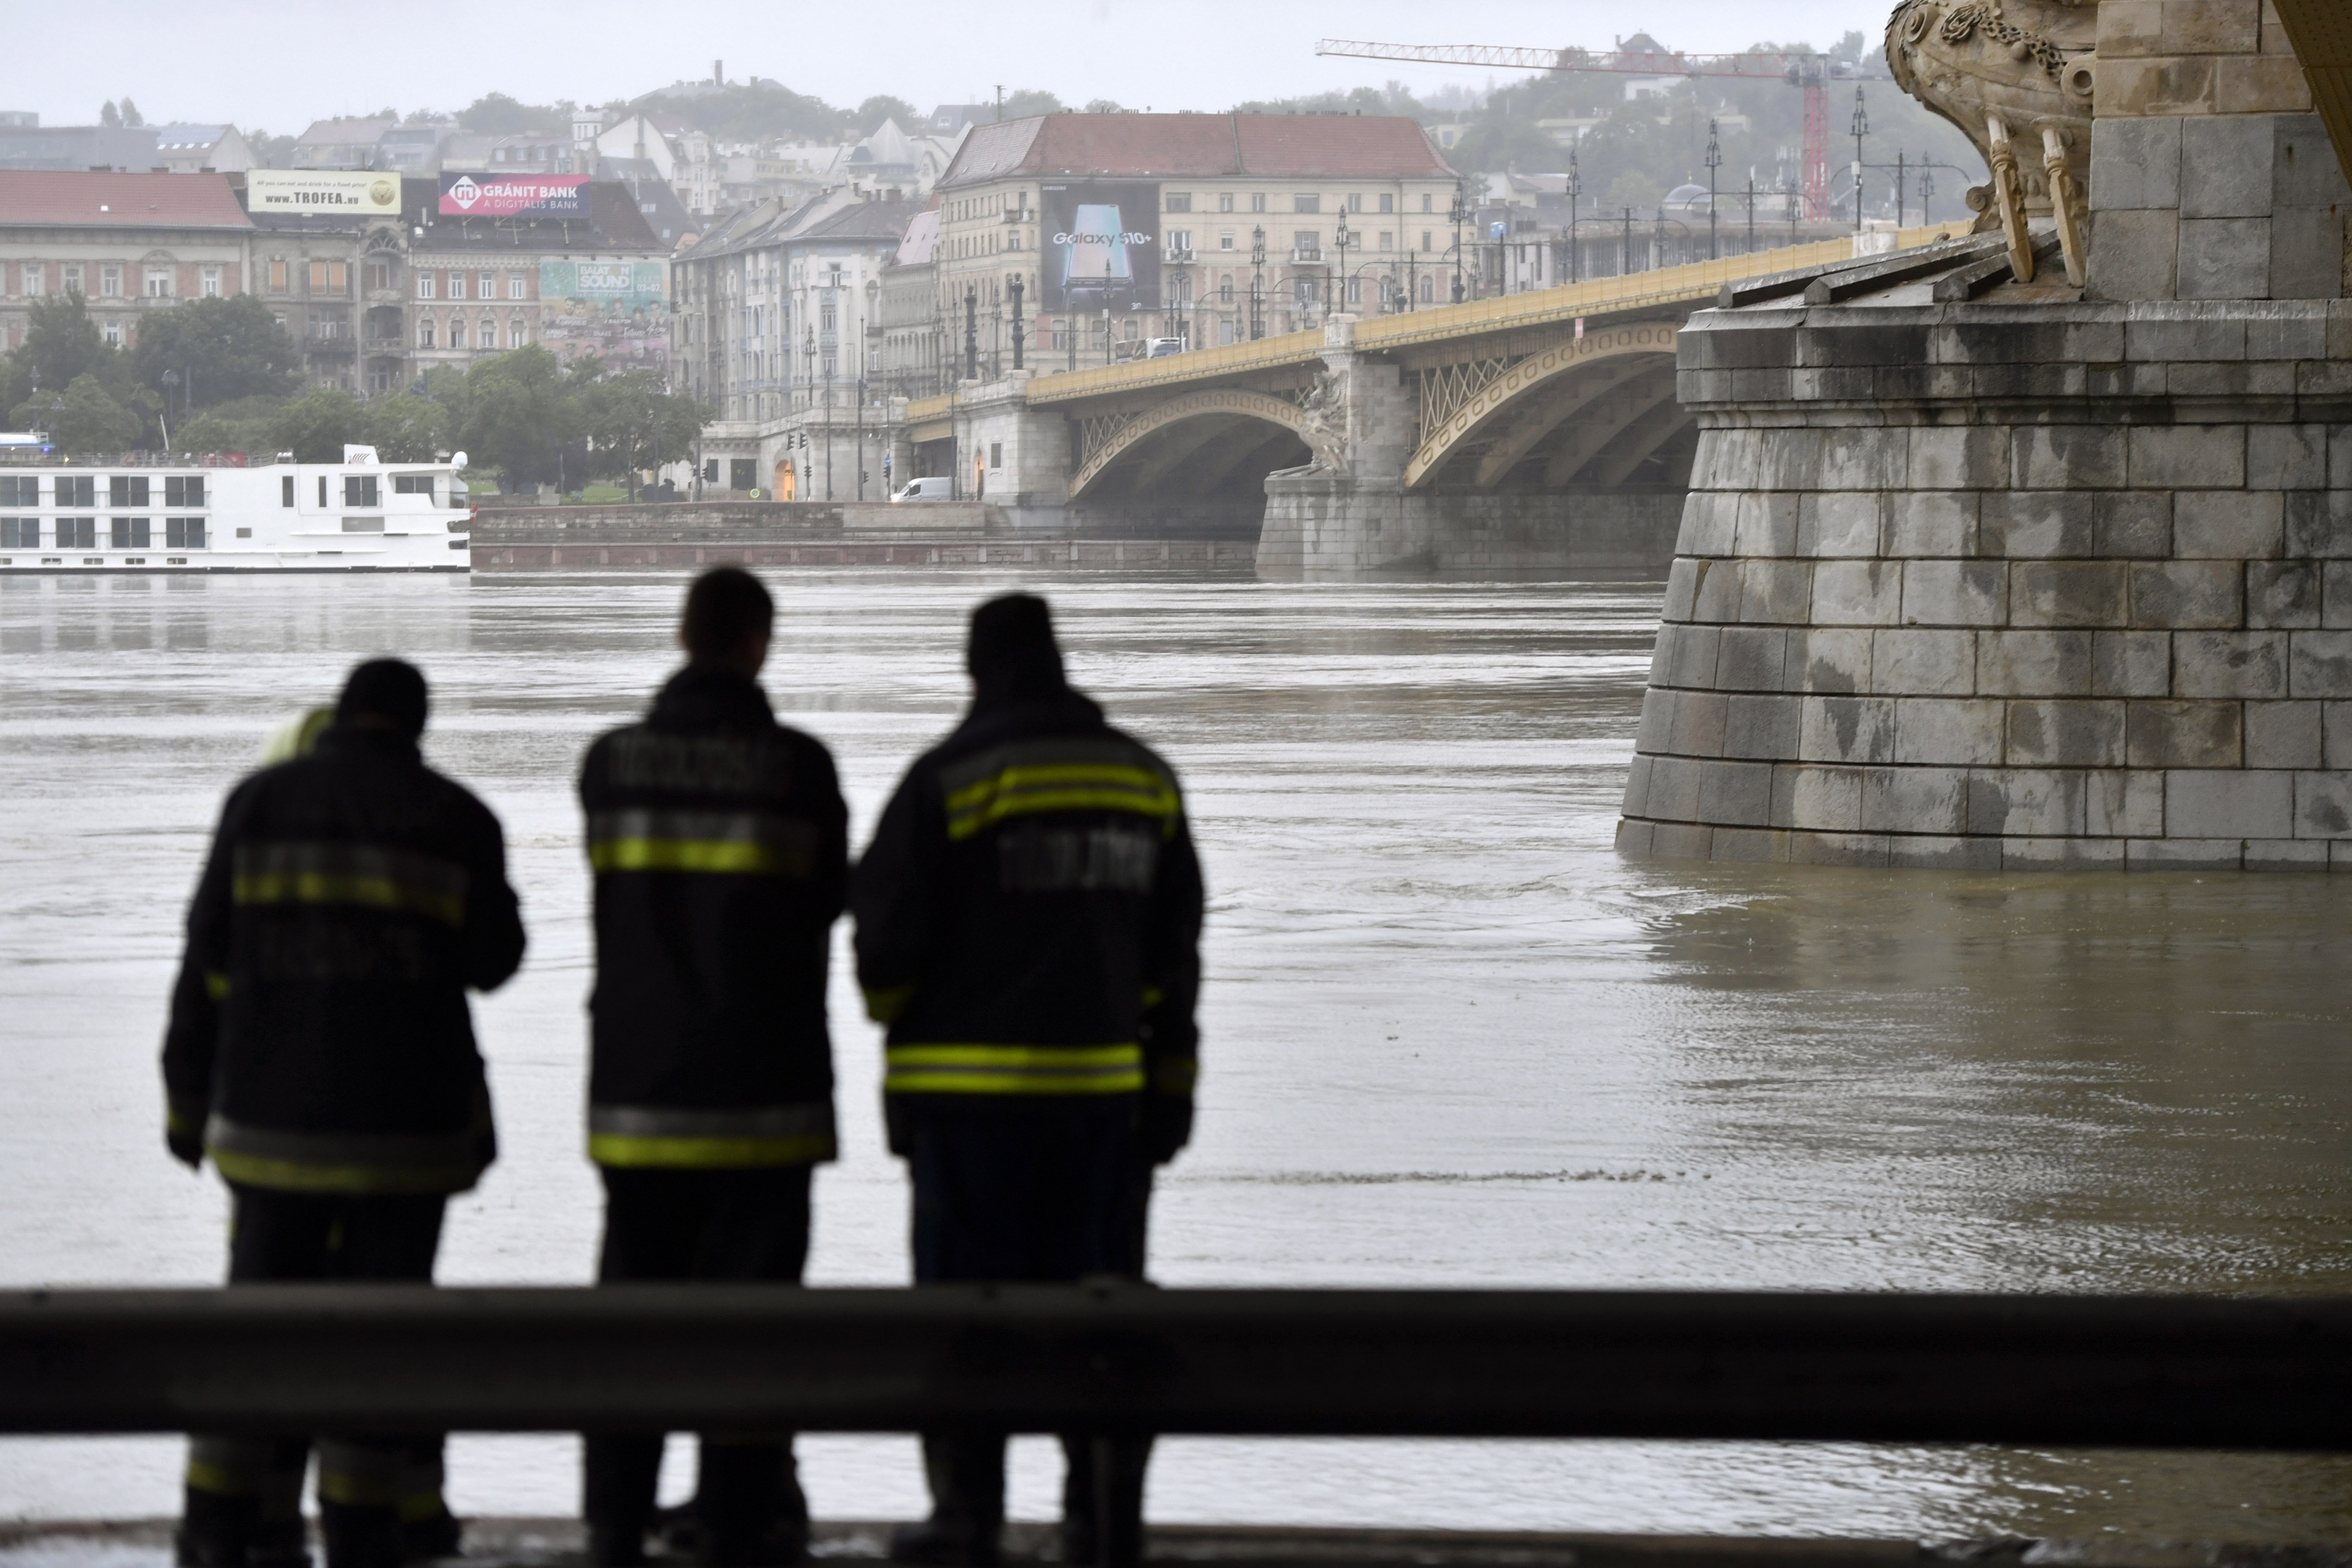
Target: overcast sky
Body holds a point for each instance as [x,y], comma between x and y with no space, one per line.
[283,63]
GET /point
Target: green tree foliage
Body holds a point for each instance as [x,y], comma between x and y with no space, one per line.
[86,418]
[245,424]
[273,152]
[317,425]
[881,107]
[520,415]
[1394,98]
[1104,106]
[222,349]
[406,428]
[110,116]
[1031,100]
[496,114]
[131,115]
[752,111]
[62,342]
[633,423]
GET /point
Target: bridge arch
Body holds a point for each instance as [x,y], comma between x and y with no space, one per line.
[1518,406]
[1226,406]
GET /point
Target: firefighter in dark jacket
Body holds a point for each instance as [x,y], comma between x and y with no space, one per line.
[320,1052]
[719,845]
[1028,925]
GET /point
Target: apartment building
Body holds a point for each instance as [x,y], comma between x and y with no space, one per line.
[1216,227]
[129,244]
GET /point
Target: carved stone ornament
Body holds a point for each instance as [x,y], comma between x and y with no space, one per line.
[2010,73]
[1323,422]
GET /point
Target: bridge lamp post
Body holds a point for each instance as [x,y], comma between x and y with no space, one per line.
[1926,189]
[1257,283]
[1861,129]
[1364,267]
[1714,161]
[1344,237]
[1461,215]
[1014,285]
[1751,211]
[1575,189]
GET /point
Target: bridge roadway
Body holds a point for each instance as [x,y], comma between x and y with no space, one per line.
[1529,434]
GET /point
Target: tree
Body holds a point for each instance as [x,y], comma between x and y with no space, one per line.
[247,425]
[406,428]
[132,118]
[108,116]
[755,110]
[1104,106]
[86,419]
[633,423]
[1031,100]
[497,114]
[61,344]
[519,415]
[317,425]
[222,349]
[445,384]
[881,107]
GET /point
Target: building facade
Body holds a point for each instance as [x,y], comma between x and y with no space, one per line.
[129,244]
[1212,227]
[914,338]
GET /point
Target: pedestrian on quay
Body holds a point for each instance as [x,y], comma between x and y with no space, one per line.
[320,1053]
[1028,927]
[718,841]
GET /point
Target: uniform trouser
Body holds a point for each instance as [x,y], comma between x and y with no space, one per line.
[1045,1194]
[747,1224]
[247,1491]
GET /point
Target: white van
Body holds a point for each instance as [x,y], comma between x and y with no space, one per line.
[941,487]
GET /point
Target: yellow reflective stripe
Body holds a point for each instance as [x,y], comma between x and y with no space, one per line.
[1013,1070]
[347,888]
[682,855]
[1060,786]
[217,985]
[226,1480]
[885,1004]
[303,1176]
[417,1507]
[1153,997]
[358,1490]
[178,1121]
[633,1150]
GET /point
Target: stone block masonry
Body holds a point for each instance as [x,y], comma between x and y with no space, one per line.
[1934,614]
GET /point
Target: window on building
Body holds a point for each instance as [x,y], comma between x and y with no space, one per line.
[456,285]
[1306,245]
[1355,291]
[1305,292]
[159,283]
[1180,203]
[20,533]
[77,533]
[74,490]
[278,275]
[379,276]
[485,286]
[109,282]
[996,454]
[127,490]
[826,320]
[1428,290]
[1425,242]
[128,534]
[1388,239]
[185,491]
[1224,240]
[362,490]
[209,284]
[20,491]
[514,285]
[456,331]
[322,496]
[328,278]
[425,333]
[486,332]
[1226,332]
[113,333]
[1424,203]
[1257,201]
[184,534]
[36,278]
[73,284]
[1225,202]
[515,338]
[1388,204]
[425,285]
[285,490]
[1355,201]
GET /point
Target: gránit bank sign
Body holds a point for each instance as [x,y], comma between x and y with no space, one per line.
[503,195]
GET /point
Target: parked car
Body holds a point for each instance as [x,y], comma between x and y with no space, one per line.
[1154,347]
[941,487]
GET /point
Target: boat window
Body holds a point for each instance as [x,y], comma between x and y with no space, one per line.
[362,525]
[412,484]
[360,489]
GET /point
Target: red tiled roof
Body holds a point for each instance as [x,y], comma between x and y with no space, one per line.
[1198,146]
[57,198]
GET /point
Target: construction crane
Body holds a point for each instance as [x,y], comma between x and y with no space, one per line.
[1812,72]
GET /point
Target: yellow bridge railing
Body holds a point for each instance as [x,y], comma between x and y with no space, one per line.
[1693,283]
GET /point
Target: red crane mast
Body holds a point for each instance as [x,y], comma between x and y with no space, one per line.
[1811,72]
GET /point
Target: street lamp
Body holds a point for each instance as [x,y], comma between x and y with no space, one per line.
[1257,282]
[1861,129]
[1575,189]
[1013,286]
[1714,161]
[1341,238]
[1460,214]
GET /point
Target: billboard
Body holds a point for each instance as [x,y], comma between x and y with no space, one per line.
[1101,247]
[511,195]
[359,192]
[615,309]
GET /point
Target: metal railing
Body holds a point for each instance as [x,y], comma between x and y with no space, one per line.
[2101,1370]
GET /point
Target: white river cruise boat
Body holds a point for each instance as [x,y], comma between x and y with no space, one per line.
[153,514]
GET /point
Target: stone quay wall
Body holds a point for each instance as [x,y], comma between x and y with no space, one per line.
[1320,524]
[2010,586]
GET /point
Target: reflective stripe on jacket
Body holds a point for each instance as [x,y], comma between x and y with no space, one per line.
[718,841]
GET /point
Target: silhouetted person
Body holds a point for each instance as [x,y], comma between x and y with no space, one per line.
[321,1053]
[1028,926]
[719,845]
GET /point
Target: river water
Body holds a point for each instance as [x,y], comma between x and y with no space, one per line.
[1449,1038]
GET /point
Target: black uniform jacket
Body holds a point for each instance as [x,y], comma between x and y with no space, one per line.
[320,1034]
[1029,917]
[720,843]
